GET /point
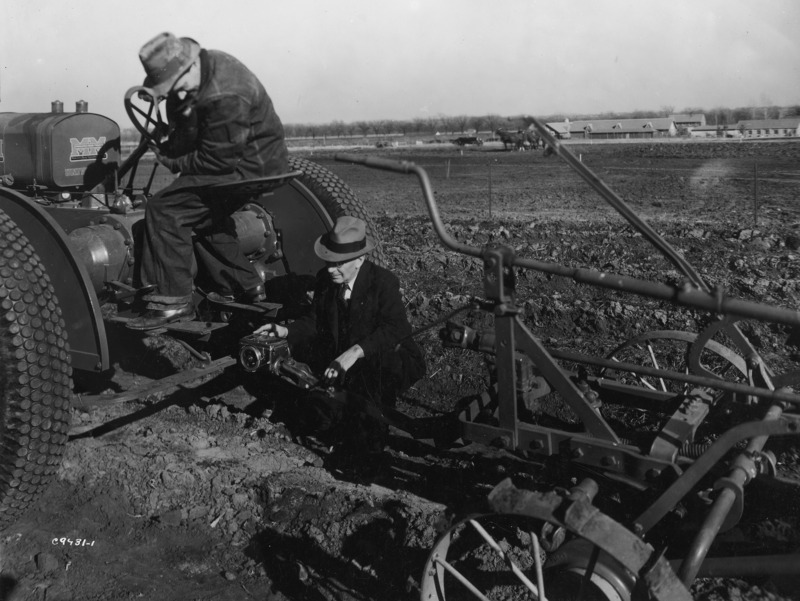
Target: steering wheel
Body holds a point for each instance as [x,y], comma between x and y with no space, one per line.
[145,115]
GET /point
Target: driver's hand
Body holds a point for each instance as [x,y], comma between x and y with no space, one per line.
[339,366]
[274,329]
[160,157]
[156,150]
[159,135]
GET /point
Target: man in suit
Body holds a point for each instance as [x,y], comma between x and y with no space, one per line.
[357,332]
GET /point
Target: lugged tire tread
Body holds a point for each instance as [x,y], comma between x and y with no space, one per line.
[337,198]
[35,375]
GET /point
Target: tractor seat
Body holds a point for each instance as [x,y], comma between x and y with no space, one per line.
[255,186]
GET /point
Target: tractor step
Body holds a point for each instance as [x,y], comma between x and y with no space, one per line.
[193,327]
[196,328]
[263,307]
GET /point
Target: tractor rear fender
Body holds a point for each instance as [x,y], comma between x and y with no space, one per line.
[307,208]
[79,303]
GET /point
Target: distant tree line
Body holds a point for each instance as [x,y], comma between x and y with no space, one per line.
[447,125]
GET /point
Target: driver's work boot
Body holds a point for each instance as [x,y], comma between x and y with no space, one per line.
[156,318]
[220,297]
[249,296]
[255,294]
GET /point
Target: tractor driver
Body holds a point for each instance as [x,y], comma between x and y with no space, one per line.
[223,128]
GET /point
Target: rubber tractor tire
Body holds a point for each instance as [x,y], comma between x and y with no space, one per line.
[337,198]
[35,375]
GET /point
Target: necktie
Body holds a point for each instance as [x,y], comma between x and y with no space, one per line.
[343,322]
[342,294]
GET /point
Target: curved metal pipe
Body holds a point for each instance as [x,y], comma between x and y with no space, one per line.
[750,565]
[407,167]
[706,535]
[722,506]
[694,295]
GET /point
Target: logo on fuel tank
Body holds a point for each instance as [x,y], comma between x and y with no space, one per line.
[86,149]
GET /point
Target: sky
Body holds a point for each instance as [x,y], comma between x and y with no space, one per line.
[368,60]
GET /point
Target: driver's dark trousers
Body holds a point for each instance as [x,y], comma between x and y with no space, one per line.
[168,261]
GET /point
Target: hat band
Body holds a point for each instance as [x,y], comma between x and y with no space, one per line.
[347,247]
[170,69]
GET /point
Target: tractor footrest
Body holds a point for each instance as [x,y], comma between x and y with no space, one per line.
[195,328]
[264,308]
[198,328]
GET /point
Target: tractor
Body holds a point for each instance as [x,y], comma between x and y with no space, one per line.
[71,211]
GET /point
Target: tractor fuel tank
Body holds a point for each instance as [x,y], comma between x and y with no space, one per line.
[57,151]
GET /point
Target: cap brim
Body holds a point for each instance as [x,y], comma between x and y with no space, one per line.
[324,253]
[162,89]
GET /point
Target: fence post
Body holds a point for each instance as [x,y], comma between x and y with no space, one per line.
[755,194]
[490,190]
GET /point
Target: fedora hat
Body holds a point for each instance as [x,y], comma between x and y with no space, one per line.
[165,58]
[348,240]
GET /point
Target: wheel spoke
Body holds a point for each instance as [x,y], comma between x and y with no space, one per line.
[461,578]
[674,350]
[587,577]
[537,562]
[645,383]
[641,379]
[514,568]
[655,364]
[488,557]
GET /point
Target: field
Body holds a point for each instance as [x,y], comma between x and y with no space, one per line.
[206,493]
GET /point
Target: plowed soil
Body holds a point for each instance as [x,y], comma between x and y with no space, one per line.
[205,491]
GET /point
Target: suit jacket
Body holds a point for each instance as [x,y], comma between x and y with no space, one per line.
[375,319]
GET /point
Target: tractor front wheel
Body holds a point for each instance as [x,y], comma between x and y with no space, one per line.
[35,375]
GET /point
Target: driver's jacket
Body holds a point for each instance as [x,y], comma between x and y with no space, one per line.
[227,128]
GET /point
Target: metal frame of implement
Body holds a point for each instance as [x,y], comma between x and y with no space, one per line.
[599,447]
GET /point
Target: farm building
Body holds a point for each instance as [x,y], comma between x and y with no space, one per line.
[751,128]
[655,127]
[560,130]
[619,131]
[688,120]
[769,128]
[714,131]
